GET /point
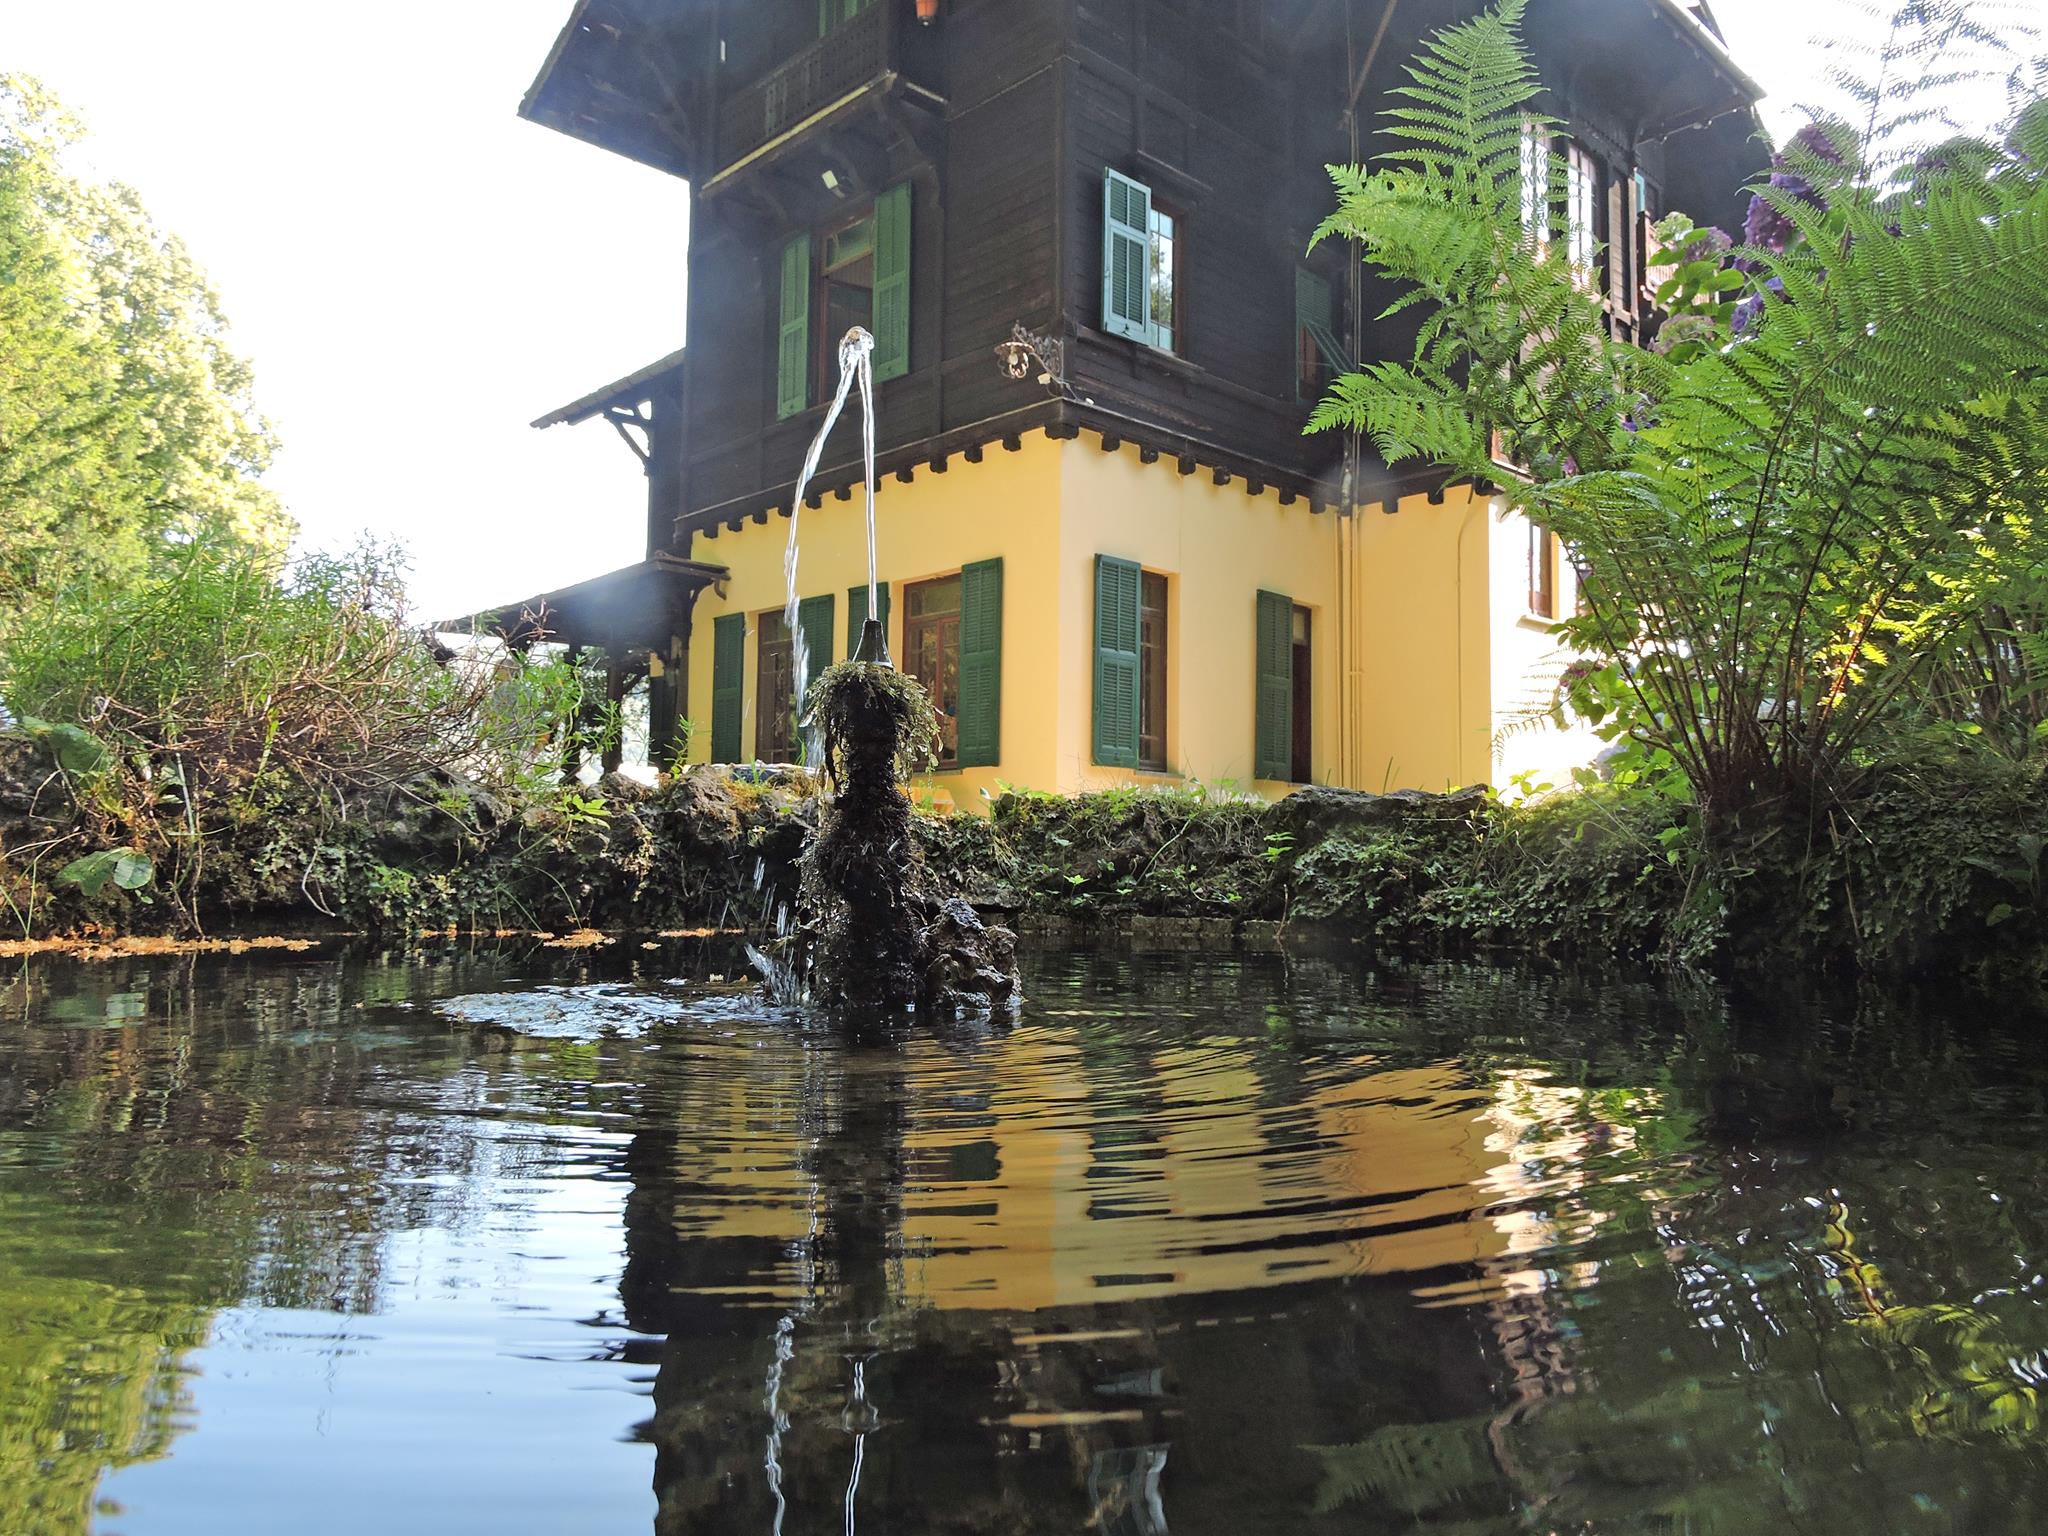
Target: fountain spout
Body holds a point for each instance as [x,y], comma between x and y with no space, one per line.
[874,645]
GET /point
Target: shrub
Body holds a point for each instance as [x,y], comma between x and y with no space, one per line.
[222,697]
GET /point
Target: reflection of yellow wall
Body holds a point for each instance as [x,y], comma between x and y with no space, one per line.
[1418,654]
[1027,1186]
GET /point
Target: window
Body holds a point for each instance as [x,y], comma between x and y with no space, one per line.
[1130,665]
[832,12]
[1582,211]
[1143,294]
[1165,275]
[845,296]
[1542,572]
[931,654]
[1536,183]
[1152,673]
[854,272]
[953,645]
[1318,355]
[775,692]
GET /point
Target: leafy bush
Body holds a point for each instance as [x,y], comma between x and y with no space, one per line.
[220,697]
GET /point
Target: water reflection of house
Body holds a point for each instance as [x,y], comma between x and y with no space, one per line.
[1114,555]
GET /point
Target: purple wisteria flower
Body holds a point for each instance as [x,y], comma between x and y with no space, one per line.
[1769,228]
[1750,312]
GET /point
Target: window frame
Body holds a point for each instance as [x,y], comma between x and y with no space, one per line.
[1541,567]
[1155,652]
[1585,182]
[914,626]
[1169,338]
[1538,143]
[775,733]
[1302,706]
[824,344]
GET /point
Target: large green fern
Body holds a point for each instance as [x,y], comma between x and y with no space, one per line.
[1793,526]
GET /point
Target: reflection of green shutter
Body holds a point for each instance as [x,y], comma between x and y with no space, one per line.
[1116,662]
[1273,726]
[728,690]
[892,283]
[857,612]
[981,664]
[793,353]
[1127,258]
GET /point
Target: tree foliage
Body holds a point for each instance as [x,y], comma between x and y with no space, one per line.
[126,421]
[1810,514]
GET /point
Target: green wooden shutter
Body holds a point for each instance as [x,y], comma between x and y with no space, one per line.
[892,283]
[728,685]
[1313,313]
[793,354]
[1273,723]
[857,612]
[981,664]
[1117,677]
[814,617]
[1127,258]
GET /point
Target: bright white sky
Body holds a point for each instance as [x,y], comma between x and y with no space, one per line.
[417,273]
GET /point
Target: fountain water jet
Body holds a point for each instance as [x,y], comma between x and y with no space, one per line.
[872,942]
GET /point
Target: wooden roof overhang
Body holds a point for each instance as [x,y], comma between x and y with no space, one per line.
[625,403]
[637,608]
[618,77]
[1659,54]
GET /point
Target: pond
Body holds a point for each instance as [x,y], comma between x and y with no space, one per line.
[525,1241]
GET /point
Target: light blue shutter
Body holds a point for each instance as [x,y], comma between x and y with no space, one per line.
[1273,725]
[892,283]
[981,664]
[1116,662]
[728,692]
[1127,258]
[793,354]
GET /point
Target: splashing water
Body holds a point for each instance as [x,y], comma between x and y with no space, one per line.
[856,362]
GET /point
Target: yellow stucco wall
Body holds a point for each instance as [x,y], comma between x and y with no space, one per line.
[1419,649]
[1006,506]
[1218,547]
[1425,617]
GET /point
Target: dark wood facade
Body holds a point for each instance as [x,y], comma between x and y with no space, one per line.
[1003,118]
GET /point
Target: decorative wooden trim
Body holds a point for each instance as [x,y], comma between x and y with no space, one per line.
[1111,442]
[971,453]
[1147,454]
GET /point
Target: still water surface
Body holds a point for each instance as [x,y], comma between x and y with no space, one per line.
[515,1242]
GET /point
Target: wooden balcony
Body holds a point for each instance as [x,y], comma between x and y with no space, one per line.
[858,55]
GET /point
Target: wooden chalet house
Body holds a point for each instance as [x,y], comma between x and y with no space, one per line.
[1109,552]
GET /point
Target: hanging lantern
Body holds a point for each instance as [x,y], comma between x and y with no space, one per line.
[927,11]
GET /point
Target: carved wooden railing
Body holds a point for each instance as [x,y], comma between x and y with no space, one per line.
[853,54]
